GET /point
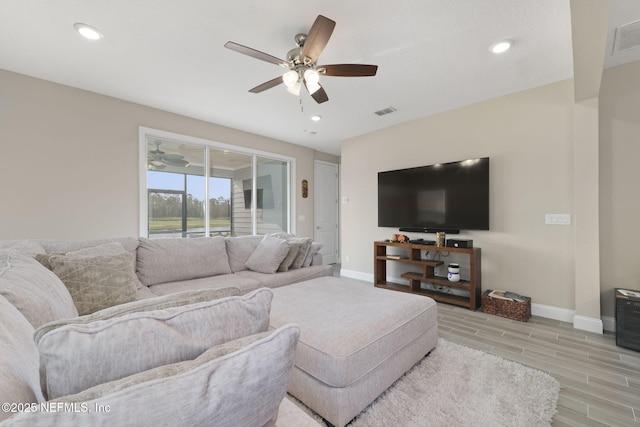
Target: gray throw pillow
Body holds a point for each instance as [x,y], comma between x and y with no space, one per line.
[97,282]
[305,245]
[315,247]
[268,255]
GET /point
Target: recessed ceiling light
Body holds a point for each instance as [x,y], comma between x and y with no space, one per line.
[501,47]
[88,31]
[316,118]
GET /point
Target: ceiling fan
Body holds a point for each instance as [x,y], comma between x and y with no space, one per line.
[301,62]
[158,159]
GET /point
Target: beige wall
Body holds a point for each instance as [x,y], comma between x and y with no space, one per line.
[619,181]
[528,136]
[70,160]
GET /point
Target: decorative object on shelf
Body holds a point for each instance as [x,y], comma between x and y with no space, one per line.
[454,272]
[400,238]
[305,188]
[440,238]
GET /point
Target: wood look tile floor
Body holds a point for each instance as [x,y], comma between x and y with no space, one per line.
[600,381]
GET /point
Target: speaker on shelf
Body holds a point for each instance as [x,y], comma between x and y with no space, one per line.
[459,243]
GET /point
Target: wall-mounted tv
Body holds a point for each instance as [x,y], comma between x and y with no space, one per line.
[441,197]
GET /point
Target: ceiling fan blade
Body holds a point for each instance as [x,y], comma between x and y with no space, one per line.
[317,38]
[255,53]
[267,85]
[348,70]
[320,95]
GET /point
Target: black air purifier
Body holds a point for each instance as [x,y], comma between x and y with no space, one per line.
[628,319]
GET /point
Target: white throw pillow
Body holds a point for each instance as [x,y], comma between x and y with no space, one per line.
[70,355]
[268,255]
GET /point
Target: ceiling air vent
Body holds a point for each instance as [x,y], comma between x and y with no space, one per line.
[627,37]
[384,111]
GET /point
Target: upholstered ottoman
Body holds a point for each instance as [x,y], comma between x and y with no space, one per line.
[355,341]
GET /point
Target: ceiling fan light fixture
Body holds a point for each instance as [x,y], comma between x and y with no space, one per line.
[290,78]
[294,89]
[312,77]
[311,87]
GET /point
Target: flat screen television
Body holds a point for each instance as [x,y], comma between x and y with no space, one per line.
[441,197]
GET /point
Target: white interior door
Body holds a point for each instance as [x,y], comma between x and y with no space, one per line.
[325,193]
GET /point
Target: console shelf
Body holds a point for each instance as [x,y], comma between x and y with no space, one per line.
[413,256]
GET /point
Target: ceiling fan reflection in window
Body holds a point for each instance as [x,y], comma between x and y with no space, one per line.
[301,62]
[158,159]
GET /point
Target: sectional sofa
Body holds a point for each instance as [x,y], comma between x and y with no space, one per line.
[133,331]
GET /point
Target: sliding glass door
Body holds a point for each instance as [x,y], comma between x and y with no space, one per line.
[198,188]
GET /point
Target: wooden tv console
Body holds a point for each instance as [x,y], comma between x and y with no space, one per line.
[414,256]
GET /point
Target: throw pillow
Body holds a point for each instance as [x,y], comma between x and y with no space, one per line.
[35,291]
[173,259]
[18,359]
[239,249]
[236,384]
[97,282]
[129,344]
[177,299]
[315,247]
[305,244]
[294,250]
[268,255]
[112,248]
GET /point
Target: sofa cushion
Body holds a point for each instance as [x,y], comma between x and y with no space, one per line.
[18,359]
[239,249]
[126,345]
[245,285]
[238,383]
[268,255]
[97,282]
[157,303]
[168,260]
[35,291]
[287,277]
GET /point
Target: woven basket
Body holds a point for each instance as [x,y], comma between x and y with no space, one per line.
[515,310]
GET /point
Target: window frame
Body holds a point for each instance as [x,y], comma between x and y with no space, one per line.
[144,133]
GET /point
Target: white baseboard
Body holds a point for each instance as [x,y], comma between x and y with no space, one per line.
[551,312]
[358,275]
[609,323]
[546,311]
[585,323]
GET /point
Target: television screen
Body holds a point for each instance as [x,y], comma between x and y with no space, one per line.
[441,197]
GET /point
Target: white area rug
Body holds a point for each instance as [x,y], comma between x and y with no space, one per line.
[459,386]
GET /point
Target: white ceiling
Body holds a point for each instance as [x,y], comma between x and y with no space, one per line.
[433,56]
